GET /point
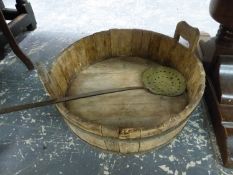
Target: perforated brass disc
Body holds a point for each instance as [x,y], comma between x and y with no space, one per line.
[163,80]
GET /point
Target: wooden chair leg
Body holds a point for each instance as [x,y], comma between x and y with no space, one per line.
[24,7]
[10,38]
[1,4]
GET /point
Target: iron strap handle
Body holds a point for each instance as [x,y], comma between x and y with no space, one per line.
[191,34]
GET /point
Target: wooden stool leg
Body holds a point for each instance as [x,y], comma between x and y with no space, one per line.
[217,56]
[18,52]
[24,6]
[1,5]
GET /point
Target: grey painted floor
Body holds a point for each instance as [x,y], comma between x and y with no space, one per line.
[39,142]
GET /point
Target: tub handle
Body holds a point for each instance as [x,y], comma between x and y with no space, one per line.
[189,33]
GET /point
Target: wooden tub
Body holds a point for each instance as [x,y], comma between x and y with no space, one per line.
[130,121]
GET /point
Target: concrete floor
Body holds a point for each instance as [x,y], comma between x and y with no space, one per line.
[39,142]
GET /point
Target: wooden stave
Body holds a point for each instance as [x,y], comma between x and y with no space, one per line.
[117,145]
[128,133]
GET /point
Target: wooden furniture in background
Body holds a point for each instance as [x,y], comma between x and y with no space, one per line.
[21,19]
[217,55]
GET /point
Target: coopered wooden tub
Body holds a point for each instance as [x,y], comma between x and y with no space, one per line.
[129,121]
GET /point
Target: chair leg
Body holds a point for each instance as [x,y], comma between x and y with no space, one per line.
[24,6]
[2,53]
[10,38]
[1,5]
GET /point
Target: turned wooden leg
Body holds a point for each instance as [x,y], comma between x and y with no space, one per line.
[217,57]
[24,6]
[1,5]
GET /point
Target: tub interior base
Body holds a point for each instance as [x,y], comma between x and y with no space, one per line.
[133,108]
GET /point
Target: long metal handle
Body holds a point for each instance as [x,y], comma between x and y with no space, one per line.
[63,99]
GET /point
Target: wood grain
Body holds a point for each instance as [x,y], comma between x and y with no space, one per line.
[127,121]
[135,108]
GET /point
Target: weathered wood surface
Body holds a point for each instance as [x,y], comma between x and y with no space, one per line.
[134,108]
[97,116]
[126,146]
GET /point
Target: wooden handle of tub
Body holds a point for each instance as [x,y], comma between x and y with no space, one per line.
[189,33]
